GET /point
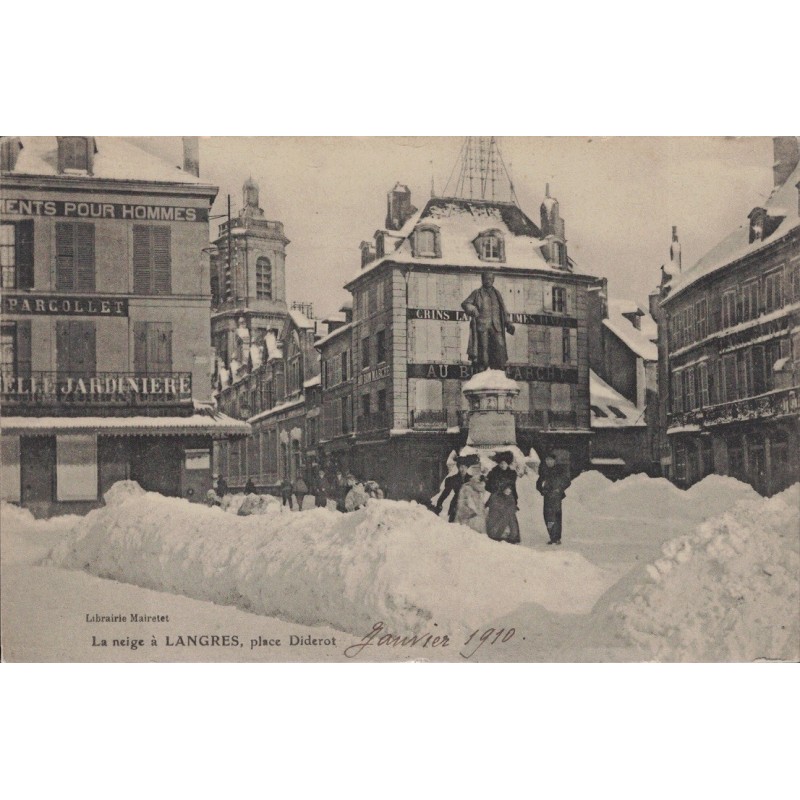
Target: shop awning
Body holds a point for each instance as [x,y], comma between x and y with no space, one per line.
[204,422]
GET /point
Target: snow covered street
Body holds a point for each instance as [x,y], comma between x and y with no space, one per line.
[724,586]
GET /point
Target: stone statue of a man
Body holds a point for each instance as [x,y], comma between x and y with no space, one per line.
[488,326]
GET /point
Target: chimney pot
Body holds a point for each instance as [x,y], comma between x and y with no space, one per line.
[191,155]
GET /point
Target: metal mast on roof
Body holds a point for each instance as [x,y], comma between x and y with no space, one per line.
[483,172]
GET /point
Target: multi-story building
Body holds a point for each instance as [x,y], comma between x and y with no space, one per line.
[105,341]
[623,360]
[729,337]
[406,351]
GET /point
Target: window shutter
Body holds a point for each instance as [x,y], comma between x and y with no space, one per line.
[140,348]
[65,257]
[83,347]
[84,257]
[24,253]
[141,259]
[63,360]
[159,347]
[24,349]
[162,261]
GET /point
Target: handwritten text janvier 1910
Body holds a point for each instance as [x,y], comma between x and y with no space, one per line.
[379,636]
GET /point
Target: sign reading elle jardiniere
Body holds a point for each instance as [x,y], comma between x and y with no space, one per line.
[88,210]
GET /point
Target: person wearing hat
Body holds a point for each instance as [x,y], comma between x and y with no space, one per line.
[469,507]
[552,484]
[453,484]
[501,483]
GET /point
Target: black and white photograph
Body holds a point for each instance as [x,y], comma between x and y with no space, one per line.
[392,399]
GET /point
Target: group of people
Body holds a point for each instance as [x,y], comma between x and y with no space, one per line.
[497,515]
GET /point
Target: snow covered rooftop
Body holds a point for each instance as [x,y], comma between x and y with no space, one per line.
[315,381]
[619,411]
[300,319]
[632,338]
[459,223]
[115,159]
[737,245]
[333,335]
[203,421]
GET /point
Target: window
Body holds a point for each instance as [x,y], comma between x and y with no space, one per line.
[152,347]
[152,259]
[750,300]
[75,269]
[381,400]
[365,405]
[794,281]
[365,353]
[489,248]
[345,365]
[729,388]
[566,350]
[15,349]
[744,366]
[16,254]
[381,346]
[346,414]
[729,308]
[558,254]
[76,348]
[618,413]
[773,290]
[559,299]
[73,153]
[425,242]
[76,467]
[263,279]
[700,319]
[677,391]
[702,372]
[689,385]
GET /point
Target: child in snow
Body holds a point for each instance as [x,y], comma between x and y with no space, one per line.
[286,493]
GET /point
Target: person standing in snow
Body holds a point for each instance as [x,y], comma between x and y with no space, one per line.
[249,487]
[300,491]
[357,497]
[469,508]
[552,484]
[321,491]
[501,521]
[221,487]
[286,493]
[453,483]
[341,489]
[502,475]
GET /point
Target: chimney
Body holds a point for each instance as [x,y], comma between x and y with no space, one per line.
[398,207]
[191,155]
[787,155]
[675,252]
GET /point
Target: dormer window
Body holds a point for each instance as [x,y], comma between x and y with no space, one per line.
[75,153]
[757,224]
[490,246]
[426,242]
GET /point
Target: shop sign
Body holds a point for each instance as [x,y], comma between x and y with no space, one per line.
[62,306]
[132,212]
[517,372]
[107,388]
[517,318]
[372,375]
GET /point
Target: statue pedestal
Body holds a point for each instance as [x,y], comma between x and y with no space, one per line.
[491,401]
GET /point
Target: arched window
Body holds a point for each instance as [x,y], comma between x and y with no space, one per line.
[426,241]
[263,279]
[74,152]
[490,246]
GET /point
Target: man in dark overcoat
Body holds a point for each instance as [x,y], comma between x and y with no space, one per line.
[453,483]
[552,484]
[488,326]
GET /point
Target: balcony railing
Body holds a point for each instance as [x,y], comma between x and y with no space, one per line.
[780,403]
[118,389]
[525,420]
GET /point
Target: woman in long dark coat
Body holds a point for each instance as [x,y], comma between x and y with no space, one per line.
[501,521]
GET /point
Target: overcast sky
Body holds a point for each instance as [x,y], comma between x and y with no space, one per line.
[619,196]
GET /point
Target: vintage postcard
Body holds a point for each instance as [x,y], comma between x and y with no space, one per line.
[487,399]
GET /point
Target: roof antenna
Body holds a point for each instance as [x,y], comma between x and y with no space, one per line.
[433,188]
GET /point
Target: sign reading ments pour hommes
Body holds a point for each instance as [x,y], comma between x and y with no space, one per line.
[59,305]
[86,210]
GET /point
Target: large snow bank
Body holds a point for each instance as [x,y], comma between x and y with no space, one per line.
[392,562]
[26,539]
[730,591]
[247,504]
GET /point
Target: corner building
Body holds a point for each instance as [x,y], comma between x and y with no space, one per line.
[106,357]
[409,338]
[730,339]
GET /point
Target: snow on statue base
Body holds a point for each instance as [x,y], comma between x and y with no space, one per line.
[491,401]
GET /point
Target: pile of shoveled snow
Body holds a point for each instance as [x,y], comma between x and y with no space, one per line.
[26,539]
[392,562]
[730,591]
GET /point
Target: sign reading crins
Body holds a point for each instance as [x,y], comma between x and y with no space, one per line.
[516,318]
[136,212]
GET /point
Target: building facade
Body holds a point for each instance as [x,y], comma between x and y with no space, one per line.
[730,338]
[106,361]
[397,410]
